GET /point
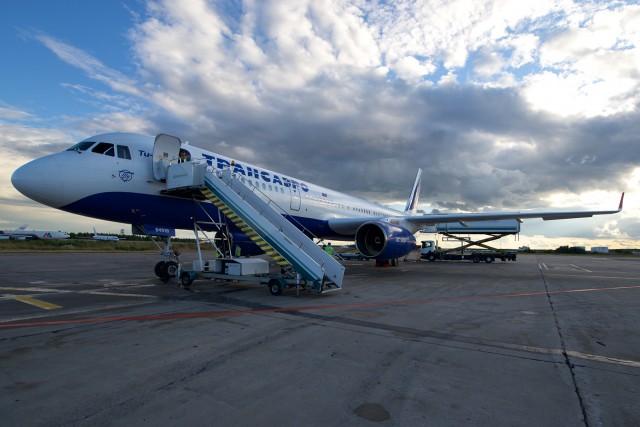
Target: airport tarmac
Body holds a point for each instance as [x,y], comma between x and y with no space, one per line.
[96,339]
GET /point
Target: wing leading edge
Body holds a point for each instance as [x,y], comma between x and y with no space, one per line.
[414,223]
[426,220]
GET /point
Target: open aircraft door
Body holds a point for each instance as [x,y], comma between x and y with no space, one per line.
[166,149]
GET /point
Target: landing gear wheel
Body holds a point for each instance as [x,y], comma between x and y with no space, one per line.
[275,287]
[185,279]
[170,269]
[159,268]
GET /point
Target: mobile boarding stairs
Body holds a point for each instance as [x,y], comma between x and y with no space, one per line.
[303,263]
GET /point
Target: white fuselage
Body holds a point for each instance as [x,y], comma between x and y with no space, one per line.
[34,234]
[111,177]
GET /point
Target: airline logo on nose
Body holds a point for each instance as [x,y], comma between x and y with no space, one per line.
[125,175]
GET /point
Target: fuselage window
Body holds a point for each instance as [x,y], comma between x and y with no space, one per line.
[123,152]
[104,148]
[81,146]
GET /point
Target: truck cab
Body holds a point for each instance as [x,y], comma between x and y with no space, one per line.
[428,250]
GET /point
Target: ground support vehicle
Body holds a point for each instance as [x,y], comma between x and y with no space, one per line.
[253,214]
[252,270]
[431,252]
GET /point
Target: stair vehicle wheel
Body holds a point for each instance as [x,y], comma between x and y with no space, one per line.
[488,259]
[275,287]
[185,279]
[476,259]
[159,268]
[431,257]
[170,269]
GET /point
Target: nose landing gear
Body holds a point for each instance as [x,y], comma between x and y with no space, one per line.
[168,268]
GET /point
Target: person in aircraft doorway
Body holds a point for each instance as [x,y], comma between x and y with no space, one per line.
[184,156]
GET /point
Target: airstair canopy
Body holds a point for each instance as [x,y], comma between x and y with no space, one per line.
[166,149]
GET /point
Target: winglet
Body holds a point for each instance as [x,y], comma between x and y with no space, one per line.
[412,203]
[621,201]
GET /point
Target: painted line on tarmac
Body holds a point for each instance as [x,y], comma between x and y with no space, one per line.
[32,289]
[35,302]
[554,274]
[42,291]
[603,359]
[206,314]
[575,354]
[580,268]
[73,311]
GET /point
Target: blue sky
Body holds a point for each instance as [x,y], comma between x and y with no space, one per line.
[506,105]
[93,26]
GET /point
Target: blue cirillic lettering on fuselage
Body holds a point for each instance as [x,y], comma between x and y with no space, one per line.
[251,172]
[248,171]
[237,168]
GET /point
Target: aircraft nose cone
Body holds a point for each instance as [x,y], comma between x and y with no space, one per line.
[40,180]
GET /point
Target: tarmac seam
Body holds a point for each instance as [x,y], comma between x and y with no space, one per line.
[563,346]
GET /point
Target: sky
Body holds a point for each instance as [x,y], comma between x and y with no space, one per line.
[506,105]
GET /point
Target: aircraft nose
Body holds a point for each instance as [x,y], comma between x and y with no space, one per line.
[40,180]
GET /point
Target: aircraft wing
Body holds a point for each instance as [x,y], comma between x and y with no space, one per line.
[350,225]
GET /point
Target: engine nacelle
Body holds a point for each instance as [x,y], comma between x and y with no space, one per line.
[381,240]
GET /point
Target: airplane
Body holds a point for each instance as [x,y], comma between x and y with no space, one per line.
[102,237]
[121,177]
[22,234]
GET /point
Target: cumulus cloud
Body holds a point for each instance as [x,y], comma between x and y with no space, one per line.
[502,103]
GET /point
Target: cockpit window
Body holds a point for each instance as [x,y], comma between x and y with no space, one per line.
[81,146]
[104,148]
[123,152]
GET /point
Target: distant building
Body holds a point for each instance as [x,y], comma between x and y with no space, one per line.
[600,250]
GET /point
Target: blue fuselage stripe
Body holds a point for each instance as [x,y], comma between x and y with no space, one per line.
[172,212]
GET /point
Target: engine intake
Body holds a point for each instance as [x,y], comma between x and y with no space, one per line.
[381,240]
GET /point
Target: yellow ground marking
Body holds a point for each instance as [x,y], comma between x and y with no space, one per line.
[36,302]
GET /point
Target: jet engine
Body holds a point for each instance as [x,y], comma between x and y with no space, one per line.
[381,240]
